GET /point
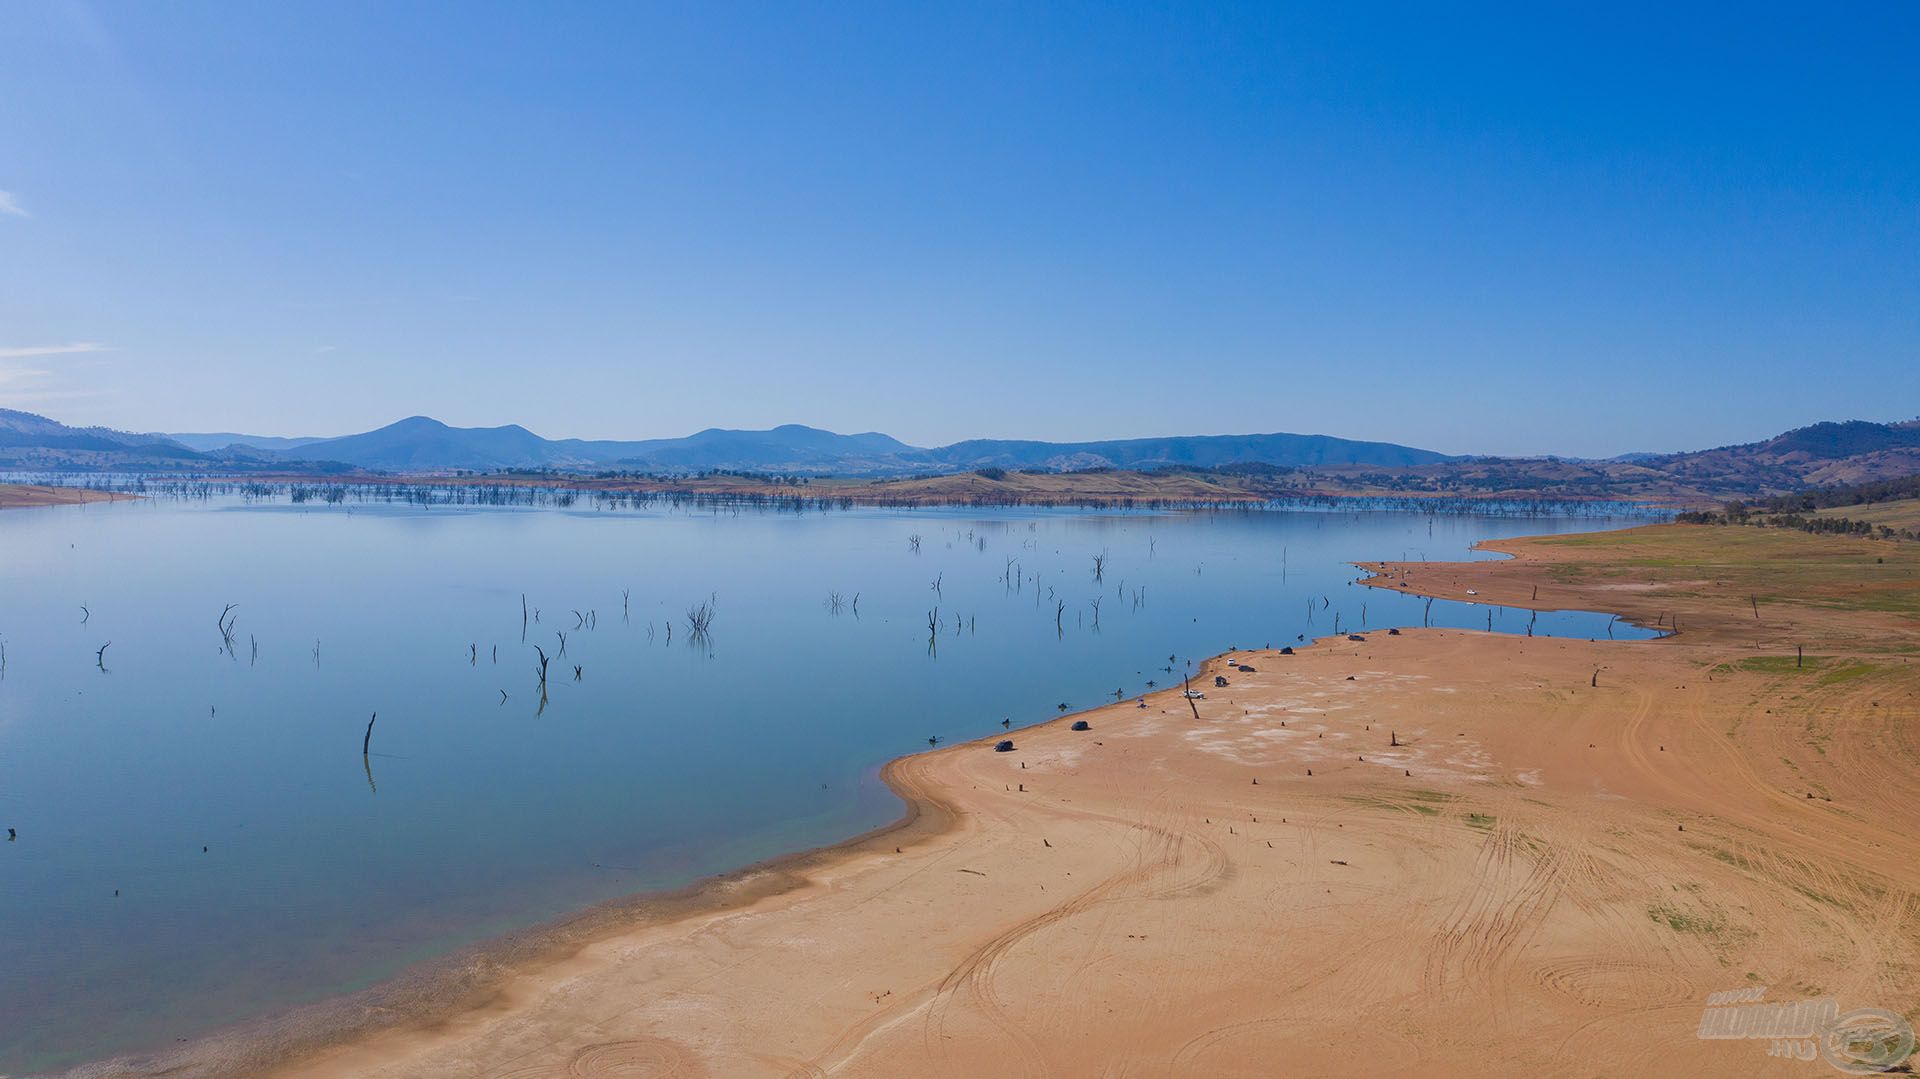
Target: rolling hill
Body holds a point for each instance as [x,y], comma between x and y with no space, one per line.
[210,442]
[33,442]
[1819,455]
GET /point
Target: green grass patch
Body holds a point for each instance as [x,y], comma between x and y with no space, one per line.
[1703,923]
[1820,897]
[1846,673]
[1411,806]
[1774,665]
[1724,855]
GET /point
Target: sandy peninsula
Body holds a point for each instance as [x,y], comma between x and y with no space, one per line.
[1432,852]
[22,495]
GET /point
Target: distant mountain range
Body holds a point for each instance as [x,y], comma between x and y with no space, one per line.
[420,444]
[210,442]
[1821,454]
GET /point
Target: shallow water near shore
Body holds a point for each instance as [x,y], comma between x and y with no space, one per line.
[200,839]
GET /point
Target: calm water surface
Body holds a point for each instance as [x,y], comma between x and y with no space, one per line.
[659,763]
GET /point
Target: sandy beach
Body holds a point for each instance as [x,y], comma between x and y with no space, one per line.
[1457,852]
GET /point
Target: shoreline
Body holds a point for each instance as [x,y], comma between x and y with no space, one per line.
[500,1000]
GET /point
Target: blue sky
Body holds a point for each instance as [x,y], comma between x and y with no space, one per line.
[1506,231]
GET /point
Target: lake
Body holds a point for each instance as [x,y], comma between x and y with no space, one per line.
[201,841]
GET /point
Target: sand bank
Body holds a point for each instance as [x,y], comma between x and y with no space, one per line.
[21,495]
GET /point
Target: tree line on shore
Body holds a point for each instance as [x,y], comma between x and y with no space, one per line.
[1798,510]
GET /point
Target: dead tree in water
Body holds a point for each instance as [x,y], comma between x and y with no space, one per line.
[100,655]
[699,621]
[913,543]
[366,753]
[227,619]
[542,670]
[933,632]
[1059,610]
[1100,567]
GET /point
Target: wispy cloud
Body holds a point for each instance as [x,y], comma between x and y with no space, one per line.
[21,352]
[28,379]
[11,205]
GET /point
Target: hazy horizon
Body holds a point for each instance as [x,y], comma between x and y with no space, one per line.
[1523,233]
